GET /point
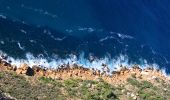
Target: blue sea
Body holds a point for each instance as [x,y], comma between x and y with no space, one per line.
[86,32]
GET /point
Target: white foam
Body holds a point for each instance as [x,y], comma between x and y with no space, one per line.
[3,16]
[52,36]
[19,45]
[33,41]
[40,11]
[123,36]
[60,39]
[88,29]
[110,37]
[2,42]
[106,38]
[113,64]
[23,31]
[69,30]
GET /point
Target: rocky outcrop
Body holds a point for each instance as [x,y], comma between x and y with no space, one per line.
[25,69]
[5,96]
[65,72]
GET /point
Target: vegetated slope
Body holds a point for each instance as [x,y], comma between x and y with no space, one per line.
[22,87]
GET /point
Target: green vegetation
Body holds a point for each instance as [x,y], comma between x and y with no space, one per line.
[133,82]
[89,90]
[21,88]
[71,83]
[1,75]
[146,84]
[42,88]
[147,91]
[133,75]
[46,80]
[142,85]
[49,89]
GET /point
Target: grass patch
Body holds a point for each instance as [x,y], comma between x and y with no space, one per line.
[133,82]
[133,75]
[71,82]
[150,95]
[49,89]
[47,80]
[1,75]
[146,84]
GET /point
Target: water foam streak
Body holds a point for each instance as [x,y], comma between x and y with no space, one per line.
[113,64]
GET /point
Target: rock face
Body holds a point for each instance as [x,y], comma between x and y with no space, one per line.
[6,97]
[75,71]
[25,69]
[30,72]
[132,83]
[38,71]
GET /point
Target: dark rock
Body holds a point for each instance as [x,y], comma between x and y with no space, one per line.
[30,72]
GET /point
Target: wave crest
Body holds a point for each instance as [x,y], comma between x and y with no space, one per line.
[113,64]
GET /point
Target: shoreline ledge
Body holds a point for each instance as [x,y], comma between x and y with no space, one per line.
[74,71]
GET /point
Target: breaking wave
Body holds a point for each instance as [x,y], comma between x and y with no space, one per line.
[114,64]
[51,49]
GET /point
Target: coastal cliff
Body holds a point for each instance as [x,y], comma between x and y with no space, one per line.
[74,82]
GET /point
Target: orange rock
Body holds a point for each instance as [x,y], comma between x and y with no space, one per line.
[14,67]
[25,69]
[19,71]
[22,69]
[38,71]
[23,66]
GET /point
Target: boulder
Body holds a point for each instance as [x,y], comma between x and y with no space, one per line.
[25,69]
[4,63]
[14,67]
[38,71]
[30,72]
[23,66]
[19,71]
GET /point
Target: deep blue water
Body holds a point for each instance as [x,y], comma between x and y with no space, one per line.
[139,29]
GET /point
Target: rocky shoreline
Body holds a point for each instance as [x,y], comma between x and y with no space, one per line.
[78,83]
[68,71]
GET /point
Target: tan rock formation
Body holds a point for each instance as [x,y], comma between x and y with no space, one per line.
[38,71]
[75,71]
[25,69]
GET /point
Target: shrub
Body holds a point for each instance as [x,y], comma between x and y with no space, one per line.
[133,82]
[144,94]
[46,80]
[133,75]
[146,84]
[71,82]
[158,98]
[1,75]
[110,94]
[89,81]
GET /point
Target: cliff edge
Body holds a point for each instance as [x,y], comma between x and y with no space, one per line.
[73,82]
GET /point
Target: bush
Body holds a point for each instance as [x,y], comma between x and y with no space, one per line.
[133,75]
[71,82]
[1,75]
[146,84]
[89,82]
[158,98]
[150,96]
[46,80]
[145,94]
[133,82]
